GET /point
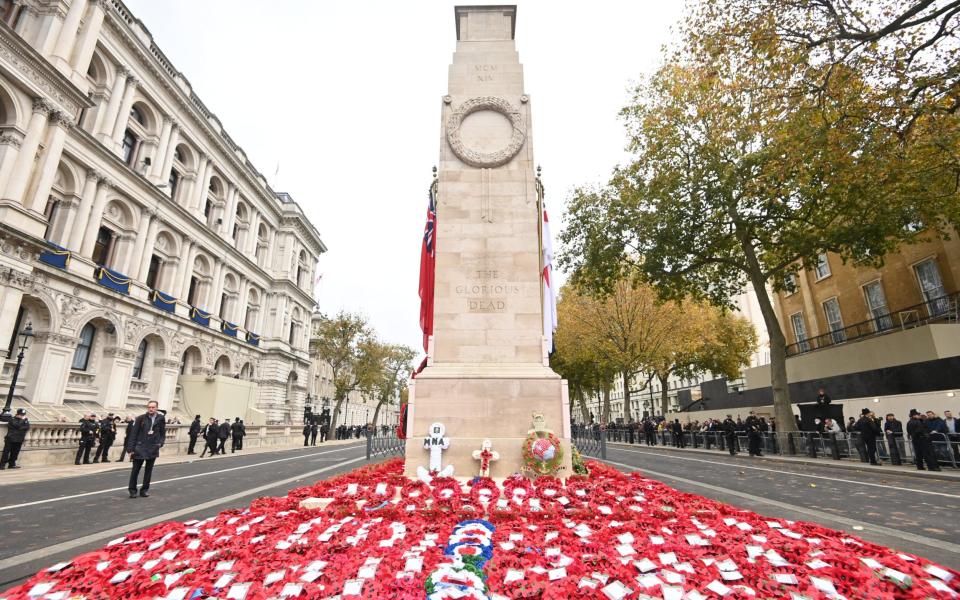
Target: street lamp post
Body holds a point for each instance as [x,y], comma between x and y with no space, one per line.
[25,337]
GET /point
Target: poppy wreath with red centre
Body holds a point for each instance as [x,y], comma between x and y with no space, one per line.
[481,484]
[548,489]
[446,492]
[414,488]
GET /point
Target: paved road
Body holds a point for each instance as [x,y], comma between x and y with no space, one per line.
[907,513]
[49,521]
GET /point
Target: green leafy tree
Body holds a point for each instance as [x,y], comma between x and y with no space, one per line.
[395,365]
[346,342]
[740,173]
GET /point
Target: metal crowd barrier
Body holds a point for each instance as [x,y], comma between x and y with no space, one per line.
[592,441]
[384,444]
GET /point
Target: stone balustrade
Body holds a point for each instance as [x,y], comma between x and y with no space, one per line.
[57,443]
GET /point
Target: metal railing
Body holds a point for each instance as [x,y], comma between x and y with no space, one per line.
[592,441]
[944,309]
[384,444]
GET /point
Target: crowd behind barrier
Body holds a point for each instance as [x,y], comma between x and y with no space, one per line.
[757,436]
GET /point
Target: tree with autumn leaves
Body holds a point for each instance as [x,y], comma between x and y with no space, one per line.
[630,333]
[773,132]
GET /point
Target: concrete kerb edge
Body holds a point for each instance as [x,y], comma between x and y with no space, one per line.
[842,465]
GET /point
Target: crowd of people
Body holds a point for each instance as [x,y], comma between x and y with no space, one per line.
[922,430]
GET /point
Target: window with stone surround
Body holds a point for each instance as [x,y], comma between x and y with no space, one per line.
[877,305]
[103,247]
[138,361]
[822,268]
[800,331]
[81,356]
[831,310]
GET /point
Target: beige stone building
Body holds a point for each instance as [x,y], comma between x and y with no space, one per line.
[836,303]
[150,256]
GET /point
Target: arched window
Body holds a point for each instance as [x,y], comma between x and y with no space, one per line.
[81,355]
[302,269]
[130,143]
[293,332]
[137,115]
[103,246]
[138,362]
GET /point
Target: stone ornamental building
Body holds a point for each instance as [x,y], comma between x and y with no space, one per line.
[151,258]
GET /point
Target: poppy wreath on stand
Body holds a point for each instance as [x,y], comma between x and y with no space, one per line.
[517,487]
[446,492]
[542,455]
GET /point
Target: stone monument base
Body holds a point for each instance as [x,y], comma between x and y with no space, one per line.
[478,402]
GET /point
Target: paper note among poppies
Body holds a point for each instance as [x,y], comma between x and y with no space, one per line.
[384,536]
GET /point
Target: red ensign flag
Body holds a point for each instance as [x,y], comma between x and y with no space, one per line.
[428,260]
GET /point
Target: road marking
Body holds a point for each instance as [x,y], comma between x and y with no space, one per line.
[740,466]
[116,489]
[816,514]
[48,551]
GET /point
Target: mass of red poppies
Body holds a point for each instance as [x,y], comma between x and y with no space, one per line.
[610,535]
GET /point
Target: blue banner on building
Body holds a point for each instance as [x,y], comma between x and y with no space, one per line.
[228,328]
[113,280]
[253,339]
[57,256]
[163,301]
[198,316]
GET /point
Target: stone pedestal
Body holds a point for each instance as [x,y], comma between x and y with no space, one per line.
[487,372]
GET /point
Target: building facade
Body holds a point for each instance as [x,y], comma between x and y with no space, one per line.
[835,303]
[152,260]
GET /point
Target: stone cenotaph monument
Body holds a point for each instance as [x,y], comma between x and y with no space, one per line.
[487,372]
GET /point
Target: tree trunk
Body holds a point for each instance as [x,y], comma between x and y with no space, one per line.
[605,413]
[664,397]
[626,396]
[782,407]
[584,410]
[376,412]
[335,420]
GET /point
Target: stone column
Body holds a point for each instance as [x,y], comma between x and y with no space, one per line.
[146,251]
[135,258]
[201,185]
[105,121]
[96,215]
[159,157]
[66,216]
[68,35]
[123,253]
[166,372]
[164,175]
[230,211]
[120,122]
[252,240]
[216,289]
[50,159]
[46,29]
[87,43]
[113,376]
[186,268]
[240,312]
[23,167]
[47,368]
[83,213]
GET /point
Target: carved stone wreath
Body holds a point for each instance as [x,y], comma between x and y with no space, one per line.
[486,159]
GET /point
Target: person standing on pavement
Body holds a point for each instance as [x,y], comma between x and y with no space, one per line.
[211,432]
[314,430]
[729,427]
[146,439]
[324,431]
[306,434]
[223,435]
[88,437]
[869,431]
[754,439]
[108,434]
[16,432]
[920,438]
[194,432]
[677,429]
[893,429]
[126,436]
[236,434]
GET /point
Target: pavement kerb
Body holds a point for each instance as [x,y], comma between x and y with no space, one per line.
[833,464]
[48,472]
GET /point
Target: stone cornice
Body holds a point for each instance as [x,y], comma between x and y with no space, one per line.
[307,232]
[40,74]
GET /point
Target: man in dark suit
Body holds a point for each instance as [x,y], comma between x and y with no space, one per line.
[194,432]
[223,434]
[210,434]
[314,431]
[16,432]
[146,439]
[237,431]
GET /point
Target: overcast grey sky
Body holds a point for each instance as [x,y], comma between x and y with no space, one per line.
[345,97]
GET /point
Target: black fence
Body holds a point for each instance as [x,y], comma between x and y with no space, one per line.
[592,441]
[384,443]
